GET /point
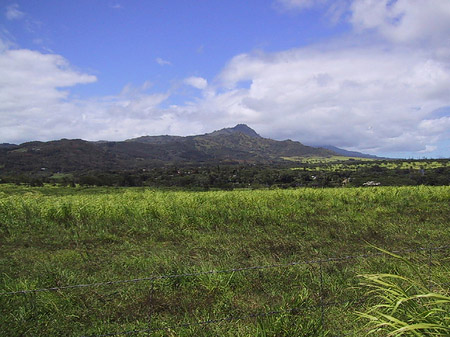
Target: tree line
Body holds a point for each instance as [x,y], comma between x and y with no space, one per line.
[239,176]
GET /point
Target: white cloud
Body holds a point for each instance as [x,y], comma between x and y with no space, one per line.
[428,149]
[387,94]
[35,104]
[400,21]
[163,62]
[196,82]
[378,95]
[404,20]
[31,91]
[29,78]
[13,12]
[30,82]
[366,98]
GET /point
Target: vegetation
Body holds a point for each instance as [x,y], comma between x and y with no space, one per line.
[351,173]
[227,146]
[324,160]
[405,306]
[57,236]
[225,159]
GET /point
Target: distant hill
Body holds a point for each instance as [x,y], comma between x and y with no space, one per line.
[239,144]
[155,139]
[347,153]
[7,146]
[240,128]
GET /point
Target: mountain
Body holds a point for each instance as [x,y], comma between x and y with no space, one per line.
[239,144]
[155,139]
[347,153]
[59,156]
[240,128]
[7,146]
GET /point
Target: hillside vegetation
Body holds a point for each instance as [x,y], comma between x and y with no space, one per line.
[235,145]
[224,159]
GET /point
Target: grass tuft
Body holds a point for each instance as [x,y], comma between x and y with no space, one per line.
[405,306]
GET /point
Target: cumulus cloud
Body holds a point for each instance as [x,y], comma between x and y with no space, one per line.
[35,104]
[404,20]
[196,82]
[361,97]
[381,95]
[388,94]
[32,90]
[401,21]
[29,79]
[13,12]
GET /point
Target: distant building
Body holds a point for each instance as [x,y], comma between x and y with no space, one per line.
[371,183]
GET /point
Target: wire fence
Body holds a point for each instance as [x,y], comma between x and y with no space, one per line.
[294,311]
[230,270]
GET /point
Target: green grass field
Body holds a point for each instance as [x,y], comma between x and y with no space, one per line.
[338,164]
[325,160]
[54,237]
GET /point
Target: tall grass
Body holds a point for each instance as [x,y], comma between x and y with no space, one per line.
[63,236]
[405,306]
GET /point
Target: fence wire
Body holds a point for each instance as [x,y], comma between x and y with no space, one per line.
[225,271]
[296,311]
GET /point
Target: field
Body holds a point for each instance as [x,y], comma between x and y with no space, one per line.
[337,164]
[324,160]
[165,243]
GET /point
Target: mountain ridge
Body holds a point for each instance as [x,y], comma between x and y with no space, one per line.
[238,144]
[348,153]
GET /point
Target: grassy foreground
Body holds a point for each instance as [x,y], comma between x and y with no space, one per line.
[64,236]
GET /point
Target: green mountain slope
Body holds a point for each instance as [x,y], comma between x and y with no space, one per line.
[239,144]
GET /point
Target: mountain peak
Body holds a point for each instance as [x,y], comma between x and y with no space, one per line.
[242,128]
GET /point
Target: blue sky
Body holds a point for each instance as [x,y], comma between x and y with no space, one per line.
[367,75]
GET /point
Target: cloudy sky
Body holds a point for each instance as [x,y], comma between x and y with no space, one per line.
[366,75]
